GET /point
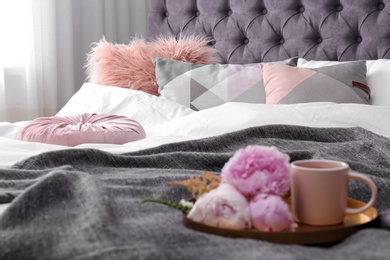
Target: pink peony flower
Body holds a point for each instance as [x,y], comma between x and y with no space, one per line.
[222,207]
[258,169]
[270,213]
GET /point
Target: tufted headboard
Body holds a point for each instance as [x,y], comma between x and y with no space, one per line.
[246,31]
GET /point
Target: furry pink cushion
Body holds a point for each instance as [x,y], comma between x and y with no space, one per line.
[131,66]
[83,128]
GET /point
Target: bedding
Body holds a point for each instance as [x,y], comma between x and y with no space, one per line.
[84,202]
[165,121]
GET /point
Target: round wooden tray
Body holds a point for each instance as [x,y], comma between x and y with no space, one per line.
[304,234]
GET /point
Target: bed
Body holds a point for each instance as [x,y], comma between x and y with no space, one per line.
[84,201]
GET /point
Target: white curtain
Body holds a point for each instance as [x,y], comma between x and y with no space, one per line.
[43,47]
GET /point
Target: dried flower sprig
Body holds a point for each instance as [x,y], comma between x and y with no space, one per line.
[198,185]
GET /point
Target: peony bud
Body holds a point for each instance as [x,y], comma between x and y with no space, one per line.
[271,213]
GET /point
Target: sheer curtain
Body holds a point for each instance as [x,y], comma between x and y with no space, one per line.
[43,47]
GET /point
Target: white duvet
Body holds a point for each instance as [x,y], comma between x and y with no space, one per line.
[168,122]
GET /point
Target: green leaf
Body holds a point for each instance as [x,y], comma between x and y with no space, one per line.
[168,203]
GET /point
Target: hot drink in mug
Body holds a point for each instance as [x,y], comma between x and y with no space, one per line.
[319,190]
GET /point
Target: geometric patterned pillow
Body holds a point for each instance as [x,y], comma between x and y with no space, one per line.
[342,83]
[201,86]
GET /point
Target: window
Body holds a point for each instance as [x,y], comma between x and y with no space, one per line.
[14,28]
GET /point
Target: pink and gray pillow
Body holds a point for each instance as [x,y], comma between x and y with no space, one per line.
[200,86]
[342,83]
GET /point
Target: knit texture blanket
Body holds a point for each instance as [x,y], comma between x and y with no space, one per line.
[85,203]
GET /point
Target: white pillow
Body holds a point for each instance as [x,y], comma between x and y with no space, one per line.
[378,77]
[149,110]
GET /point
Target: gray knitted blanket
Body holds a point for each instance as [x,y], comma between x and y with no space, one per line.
[85,204]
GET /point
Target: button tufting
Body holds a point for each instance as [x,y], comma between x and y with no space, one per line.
[246,41]
[381,6]
[301,9]
[197,13]
[229,12]
[166,14]
[319,40]
[281,41]
[359,39]
[339,8]
[264,11]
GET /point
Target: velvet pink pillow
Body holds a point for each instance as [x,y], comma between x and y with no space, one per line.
[83,128]
[131,66]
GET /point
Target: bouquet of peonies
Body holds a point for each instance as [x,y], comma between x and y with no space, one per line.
[248,195]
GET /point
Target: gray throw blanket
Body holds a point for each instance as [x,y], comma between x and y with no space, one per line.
[85,204]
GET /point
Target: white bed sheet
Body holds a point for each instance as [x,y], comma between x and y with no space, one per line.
[167,122]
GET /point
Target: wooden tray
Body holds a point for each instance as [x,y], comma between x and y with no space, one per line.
[304,234]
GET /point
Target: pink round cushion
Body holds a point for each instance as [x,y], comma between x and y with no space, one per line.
[83,128]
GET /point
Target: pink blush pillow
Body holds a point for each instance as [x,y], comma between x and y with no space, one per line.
[131,66]
[83,128]
[341,83]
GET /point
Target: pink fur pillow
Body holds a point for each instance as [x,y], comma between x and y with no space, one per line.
[131,66]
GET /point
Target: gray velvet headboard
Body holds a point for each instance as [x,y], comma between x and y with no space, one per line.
[247,31]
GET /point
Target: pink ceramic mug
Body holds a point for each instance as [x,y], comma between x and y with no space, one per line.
[319,190]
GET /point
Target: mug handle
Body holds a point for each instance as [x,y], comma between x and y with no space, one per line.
[371,185]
